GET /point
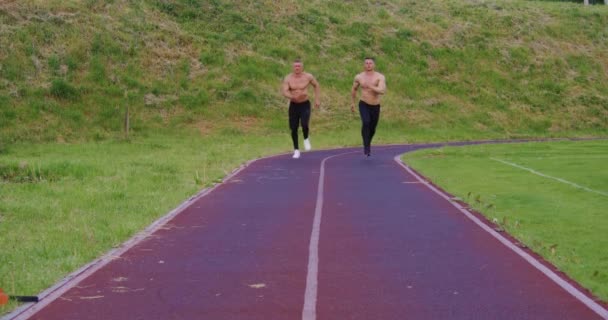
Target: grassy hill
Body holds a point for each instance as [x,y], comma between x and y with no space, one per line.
[455,70]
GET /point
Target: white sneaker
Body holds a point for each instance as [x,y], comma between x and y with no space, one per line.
[296,154]
[306,144]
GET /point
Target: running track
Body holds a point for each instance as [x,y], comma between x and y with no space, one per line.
[328,236]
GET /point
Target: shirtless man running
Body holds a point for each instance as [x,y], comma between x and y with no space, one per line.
[295,88]
[372,85]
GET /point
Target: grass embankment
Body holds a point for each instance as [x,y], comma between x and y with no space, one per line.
[561,215]
[206,73]
[455,70]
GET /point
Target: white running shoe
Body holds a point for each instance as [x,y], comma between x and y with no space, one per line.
[296,154]
[307,144]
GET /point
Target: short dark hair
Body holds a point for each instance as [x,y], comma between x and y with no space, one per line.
[370,58]
[297,60]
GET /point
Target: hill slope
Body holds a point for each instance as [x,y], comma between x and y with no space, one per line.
[456,69]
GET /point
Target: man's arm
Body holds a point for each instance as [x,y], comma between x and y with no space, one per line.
[353,93]
[381,87]
[285,89]
[317,87]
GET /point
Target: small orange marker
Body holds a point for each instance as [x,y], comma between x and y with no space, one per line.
[3,298]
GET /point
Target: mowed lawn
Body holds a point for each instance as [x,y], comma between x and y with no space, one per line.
[552,196]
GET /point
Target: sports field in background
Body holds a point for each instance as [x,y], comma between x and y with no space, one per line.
[552,196]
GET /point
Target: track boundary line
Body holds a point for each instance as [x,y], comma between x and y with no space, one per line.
[309,310]
[538,173]
[597,308]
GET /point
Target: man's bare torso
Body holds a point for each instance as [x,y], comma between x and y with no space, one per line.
[298,85]
[367,80]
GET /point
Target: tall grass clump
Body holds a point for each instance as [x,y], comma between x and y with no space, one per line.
[63,90]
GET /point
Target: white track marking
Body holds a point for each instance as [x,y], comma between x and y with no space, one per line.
[309,312]
[550,177]
[597,308]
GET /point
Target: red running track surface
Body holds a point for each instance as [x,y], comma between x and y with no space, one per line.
[389,248]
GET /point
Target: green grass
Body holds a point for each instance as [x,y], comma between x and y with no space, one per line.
[483,69]
[565,224]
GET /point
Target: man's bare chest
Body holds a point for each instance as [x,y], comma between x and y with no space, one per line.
[298,83]
[370,80]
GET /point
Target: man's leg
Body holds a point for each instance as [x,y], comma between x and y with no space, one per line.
[365,126]
[305,119]
[294,119]
[374,113]
[305,116]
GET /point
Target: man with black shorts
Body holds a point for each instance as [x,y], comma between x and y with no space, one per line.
[295,88]
[372,84]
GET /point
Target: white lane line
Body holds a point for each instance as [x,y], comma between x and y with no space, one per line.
[597,308]
[309,312]
[550,177]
